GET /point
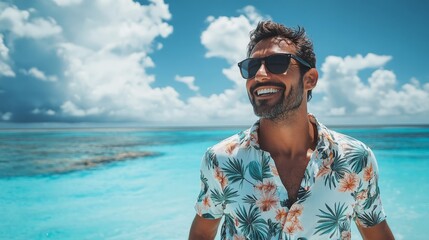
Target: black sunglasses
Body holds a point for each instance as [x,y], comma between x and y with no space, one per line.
[276,63]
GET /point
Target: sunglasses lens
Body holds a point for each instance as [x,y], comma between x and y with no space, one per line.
[249,67]
[277,63]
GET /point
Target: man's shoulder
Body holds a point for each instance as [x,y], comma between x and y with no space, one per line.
[229,146]
[345,142]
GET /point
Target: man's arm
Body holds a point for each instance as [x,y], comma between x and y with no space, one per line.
[380,231]
[203,228]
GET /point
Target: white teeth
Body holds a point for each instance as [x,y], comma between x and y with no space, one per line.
[266,91]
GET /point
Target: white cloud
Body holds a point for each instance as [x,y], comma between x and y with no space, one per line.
[65,3]
[120,26]
[71,109]
[105,55]
[344,92]
[5,68]
[219,109]
[188,80]
[107,74]
[48,112]
[252,14]
[36,73]
[227,37]
[6,116]
[106,67]
[21,25]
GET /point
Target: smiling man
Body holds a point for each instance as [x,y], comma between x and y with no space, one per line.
[288,176]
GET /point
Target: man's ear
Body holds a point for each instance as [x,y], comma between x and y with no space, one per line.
[310,79]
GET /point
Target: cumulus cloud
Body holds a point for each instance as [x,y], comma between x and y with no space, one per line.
[112,73]
[344,92]
[227,37]
[188,80]
[73,110]
[5,68]
[105,55]
[36,73]
[107,68]
[21,24]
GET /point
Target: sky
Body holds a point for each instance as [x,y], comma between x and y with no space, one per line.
[174,63]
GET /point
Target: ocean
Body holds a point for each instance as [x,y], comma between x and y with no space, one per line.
[114,183]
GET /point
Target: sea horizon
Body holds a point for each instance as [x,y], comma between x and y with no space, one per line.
[99,127]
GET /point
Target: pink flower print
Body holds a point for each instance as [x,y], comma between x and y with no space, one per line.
[230,147]
[368,173]
[349,182]
[267,201]
[220,176]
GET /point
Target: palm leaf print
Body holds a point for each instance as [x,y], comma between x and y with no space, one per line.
[331,219]
[205,187]
[303,194]
[234,171]
[210,158]
[251,224]
[259,171]
[250,199]
[357,158]
[339,168]
[370,219]
[255,171]
[224,197]
[274,228]
[241,137]
[371,198]
[308,178]
[266,170]
[228,224]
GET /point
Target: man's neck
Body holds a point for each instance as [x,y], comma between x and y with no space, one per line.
[292,136]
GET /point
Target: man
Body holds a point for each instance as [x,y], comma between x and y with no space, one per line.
[288,176]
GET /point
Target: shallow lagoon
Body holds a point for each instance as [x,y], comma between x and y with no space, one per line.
[147,181]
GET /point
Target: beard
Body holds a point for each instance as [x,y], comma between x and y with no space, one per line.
[283,108]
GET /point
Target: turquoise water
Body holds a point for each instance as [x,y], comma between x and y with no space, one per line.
[141,184]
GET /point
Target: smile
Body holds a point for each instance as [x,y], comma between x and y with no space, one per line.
[266,91]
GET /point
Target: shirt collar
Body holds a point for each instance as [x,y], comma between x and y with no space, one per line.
[324,136]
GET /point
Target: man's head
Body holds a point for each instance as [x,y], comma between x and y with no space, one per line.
[281,59]
[303,45]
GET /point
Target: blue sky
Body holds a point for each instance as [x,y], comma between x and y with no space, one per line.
[172,63]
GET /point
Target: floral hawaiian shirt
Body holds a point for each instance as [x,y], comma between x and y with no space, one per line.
[240,182]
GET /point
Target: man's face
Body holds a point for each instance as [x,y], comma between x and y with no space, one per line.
[275,96]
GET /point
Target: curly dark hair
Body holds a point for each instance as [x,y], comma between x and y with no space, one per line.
[304,46]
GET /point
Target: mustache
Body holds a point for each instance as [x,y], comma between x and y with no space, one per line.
[266,84]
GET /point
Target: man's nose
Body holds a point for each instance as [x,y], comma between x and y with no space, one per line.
[262,73]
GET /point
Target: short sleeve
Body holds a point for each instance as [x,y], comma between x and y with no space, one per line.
[369,209]
[205,206]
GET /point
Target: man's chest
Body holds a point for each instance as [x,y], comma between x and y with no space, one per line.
[291,173]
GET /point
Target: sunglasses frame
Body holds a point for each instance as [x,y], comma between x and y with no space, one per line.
[263,59]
